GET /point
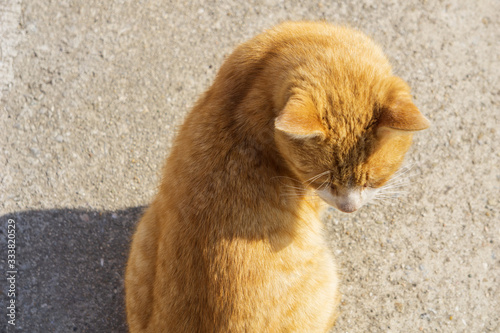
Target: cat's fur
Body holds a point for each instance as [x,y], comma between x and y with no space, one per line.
[225,247]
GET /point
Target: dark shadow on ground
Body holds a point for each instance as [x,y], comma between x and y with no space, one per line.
[70,267]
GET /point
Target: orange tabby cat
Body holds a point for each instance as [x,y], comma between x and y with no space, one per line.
[232,241]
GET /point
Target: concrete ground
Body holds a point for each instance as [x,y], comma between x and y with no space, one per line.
[92,93]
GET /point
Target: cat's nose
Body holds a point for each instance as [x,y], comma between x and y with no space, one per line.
[347,207]
[349,200]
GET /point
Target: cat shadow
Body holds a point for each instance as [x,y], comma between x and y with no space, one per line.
[70,267]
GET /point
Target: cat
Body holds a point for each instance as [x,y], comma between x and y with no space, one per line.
[304,114]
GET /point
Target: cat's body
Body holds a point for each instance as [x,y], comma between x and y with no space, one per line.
[225,246]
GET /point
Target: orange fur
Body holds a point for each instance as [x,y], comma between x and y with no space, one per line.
[223,248]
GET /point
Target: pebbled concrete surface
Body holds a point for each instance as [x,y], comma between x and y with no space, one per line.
[92,93]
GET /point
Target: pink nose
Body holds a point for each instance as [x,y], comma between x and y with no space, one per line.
[347,208]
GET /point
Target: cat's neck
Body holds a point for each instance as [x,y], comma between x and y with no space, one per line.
[226,162]
[226,159]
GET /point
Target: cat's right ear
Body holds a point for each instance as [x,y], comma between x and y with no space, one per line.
[399,115]
[401,118]
[403,115]
[299,120]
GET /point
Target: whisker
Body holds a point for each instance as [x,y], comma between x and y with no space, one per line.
[400,173]
[392,192]
[296,190]
[312,179]
[394,188]
[287,178]
[324,185]
[377,201]
[295,187]
[398,180]
[319,175]
[389,192]
[394,185]
[391,198]
[297,195]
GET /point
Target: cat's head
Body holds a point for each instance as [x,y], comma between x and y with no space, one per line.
[345,146]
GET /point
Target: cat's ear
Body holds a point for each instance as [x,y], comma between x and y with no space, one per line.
[403,115]
[399,115]
[299,120]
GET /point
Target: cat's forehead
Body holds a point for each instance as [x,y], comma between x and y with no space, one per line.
[346,156]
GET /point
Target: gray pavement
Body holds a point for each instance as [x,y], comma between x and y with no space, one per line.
[91,95]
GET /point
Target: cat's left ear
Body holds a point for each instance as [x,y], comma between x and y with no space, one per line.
[398,114]
[402,115]
[299,120]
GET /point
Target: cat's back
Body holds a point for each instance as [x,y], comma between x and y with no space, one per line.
[219,249]
[294,39]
